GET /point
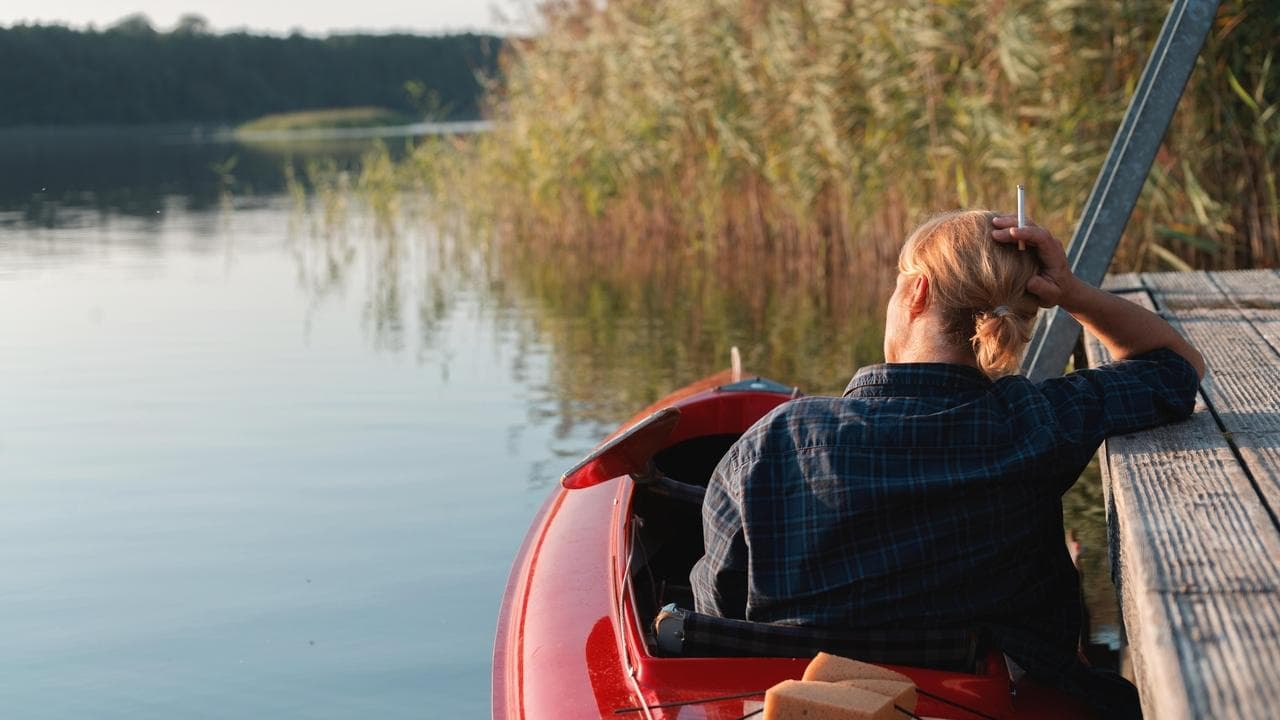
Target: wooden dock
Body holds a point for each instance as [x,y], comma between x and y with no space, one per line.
[1192,507]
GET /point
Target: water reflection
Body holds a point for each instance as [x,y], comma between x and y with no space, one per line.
[414,280]
[606,340]
[52,177]
[621,334]
[199,498]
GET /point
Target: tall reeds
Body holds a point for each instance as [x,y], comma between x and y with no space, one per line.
[690,158]
[1212,198]
[817,130]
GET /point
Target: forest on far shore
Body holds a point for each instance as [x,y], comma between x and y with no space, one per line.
[132,73]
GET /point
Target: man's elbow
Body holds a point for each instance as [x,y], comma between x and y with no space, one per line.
[1180,386]
[1194,357]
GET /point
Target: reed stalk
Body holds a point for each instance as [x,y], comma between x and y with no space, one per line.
[746,170]
[814,133]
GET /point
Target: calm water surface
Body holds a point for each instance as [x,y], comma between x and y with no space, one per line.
[255,464]
[237,483]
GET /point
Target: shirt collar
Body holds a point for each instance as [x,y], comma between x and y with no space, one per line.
[915,379]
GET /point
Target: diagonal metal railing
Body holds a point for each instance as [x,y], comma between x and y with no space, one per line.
[1123,174]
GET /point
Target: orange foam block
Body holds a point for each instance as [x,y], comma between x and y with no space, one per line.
[902,693]
[799,700]
[833,668]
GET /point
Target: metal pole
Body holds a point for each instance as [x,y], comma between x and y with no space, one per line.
[1123,173]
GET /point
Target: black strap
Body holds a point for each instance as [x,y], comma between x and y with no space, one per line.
[952,649]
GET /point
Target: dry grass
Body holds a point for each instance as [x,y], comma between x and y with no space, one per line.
[744,171]
[815,132]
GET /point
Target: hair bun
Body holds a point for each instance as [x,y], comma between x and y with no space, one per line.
[978,284]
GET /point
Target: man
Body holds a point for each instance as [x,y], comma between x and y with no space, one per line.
[929,495]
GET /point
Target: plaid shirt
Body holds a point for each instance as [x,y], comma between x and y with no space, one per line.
[927,496]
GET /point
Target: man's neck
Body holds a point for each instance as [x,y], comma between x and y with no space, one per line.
[929,343]
[951,356]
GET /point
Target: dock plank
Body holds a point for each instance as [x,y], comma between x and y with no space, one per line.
[1261,454]
[1267,323]
[1196,573]
[1242,348]
[1195,544]
[1242,384]
[1181,289]
[1250,288]
[1121,282]
[1256,293]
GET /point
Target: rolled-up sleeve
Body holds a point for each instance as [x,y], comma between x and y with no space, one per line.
[1122,397]
[719,579]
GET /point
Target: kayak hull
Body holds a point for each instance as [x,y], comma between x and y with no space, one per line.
[569,641]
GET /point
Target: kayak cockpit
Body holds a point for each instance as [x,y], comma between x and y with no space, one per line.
[667,527]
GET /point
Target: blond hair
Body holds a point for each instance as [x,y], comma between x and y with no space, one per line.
[979,284]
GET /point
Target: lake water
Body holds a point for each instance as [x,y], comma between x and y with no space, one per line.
[232,488]
[256,463]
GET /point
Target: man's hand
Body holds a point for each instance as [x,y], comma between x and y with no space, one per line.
[1126,329]
[1053,284]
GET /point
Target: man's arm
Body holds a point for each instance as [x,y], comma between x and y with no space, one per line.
[1126,329]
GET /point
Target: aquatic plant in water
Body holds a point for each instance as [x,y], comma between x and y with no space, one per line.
[744,171]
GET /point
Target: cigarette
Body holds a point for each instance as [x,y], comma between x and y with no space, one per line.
[1022,213]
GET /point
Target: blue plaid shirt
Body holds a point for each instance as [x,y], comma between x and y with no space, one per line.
[927,496]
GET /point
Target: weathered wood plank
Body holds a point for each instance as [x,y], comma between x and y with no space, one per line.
[1120,282]
[1196,573]
[1196,552]
[1250,288]
[1230,640]
[1198,652]
[1242,384]
[1242,348]
[1188,472]
[1261,454]
[1256,293]
[1181,288]
[1267,323]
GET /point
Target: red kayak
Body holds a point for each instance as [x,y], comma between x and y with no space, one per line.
[614,544]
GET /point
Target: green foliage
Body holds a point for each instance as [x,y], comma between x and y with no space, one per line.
[427,102]
[134,24]
[1213,193]
[743,172]
[130,73]
[823,129]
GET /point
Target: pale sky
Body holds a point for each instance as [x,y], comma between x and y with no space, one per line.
[277,17]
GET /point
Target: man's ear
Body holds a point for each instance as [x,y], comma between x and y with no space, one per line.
[918,296]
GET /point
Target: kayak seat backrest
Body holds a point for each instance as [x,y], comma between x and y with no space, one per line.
[685,633]
[692,461]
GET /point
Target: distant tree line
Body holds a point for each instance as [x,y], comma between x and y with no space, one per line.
[131,73]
